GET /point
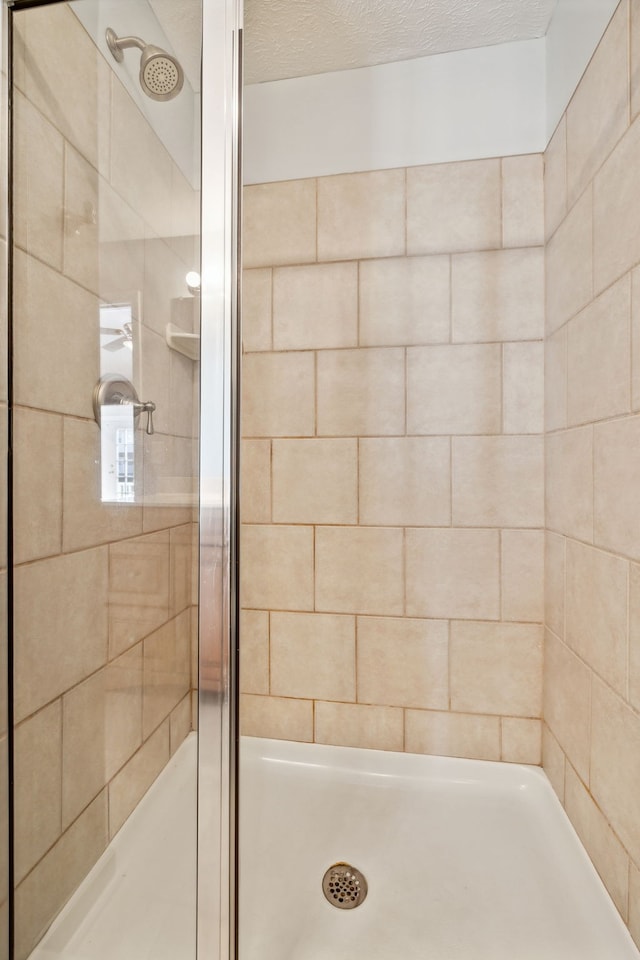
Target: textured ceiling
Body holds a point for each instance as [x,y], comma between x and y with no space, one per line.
[182,23]
[294,38]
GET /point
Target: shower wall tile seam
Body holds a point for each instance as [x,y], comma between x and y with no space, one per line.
[404,572]
[372,526]
[57,840]
[34,106]
[405,412]
[619,417]
[108,661]
[317,228]
[406,210]
[569,768]
[449,705]
[594,484]
[314,571]
[358,302]
[59,272]
[606,551]
[394,706]
[270,519]
[68,144]
[269,654]
[94,546]
[271,310]
[594,672]
[65,208]
[397,616]
[445,251]
[628,694]
[60,823]
[395,436]
[315,393]
[590,185]
[359,479]
[417,345]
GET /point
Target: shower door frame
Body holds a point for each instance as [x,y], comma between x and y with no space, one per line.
[219,478]
[221,91]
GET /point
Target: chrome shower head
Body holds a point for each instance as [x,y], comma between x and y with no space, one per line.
[161,76]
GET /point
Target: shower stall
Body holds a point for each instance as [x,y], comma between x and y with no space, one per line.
[352,663]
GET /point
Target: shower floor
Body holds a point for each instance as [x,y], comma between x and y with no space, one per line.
[465,860]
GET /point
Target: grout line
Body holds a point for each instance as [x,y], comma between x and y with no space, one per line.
[272,308]
[628,636]
[450,258]
[358,301]
[314,730]
[629,64]
[449,701]
[500,573]
[503,361]
[404,572]
[317,200]
[452,465]
[502,204]
[356,658]
[62,738]
[316,391]
[314,546]
[632,339]
[269,615]
[405,358]
[593,484]
[271,481]
[358,441]
[406,211]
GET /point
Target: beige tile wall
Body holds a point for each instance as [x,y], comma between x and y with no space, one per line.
[591,742]
[392,470]
[103,593]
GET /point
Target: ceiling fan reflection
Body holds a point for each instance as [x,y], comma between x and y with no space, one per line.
[124,337]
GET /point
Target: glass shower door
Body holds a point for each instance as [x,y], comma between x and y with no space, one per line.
[120,511]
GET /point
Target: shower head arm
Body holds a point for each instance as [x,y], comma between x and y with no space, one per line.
[118,44]
[161,76]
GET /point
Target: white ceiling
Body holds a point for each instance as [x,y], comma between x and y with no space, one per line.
[182,24]
[293,38]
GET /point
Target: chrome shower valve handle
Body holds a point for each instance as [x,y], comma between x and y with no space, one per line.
[112,389]
[148,407]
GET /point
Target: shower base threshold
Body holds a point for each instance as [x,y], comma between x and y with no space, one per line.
[464,860]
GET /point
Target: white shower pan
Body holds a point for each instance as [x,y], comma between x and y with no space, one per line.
[464,860]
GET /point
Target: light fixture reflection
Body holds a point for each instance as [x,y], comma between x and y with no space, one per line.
[193,282]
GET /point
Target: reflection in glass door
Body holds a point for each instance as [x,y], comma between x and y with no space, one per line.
[107,316]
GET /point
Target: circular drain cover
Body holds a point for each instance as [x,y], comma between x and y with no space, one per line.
[344,886]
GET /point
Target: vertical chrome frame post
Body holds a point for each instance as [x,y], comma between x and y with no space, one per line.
[6,559]
[217,723]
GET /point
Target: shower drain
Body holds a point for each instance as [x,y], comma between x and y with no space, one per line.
[344,886]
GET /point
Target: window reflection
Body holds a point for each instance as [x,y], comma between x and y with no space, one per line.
[117,437]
